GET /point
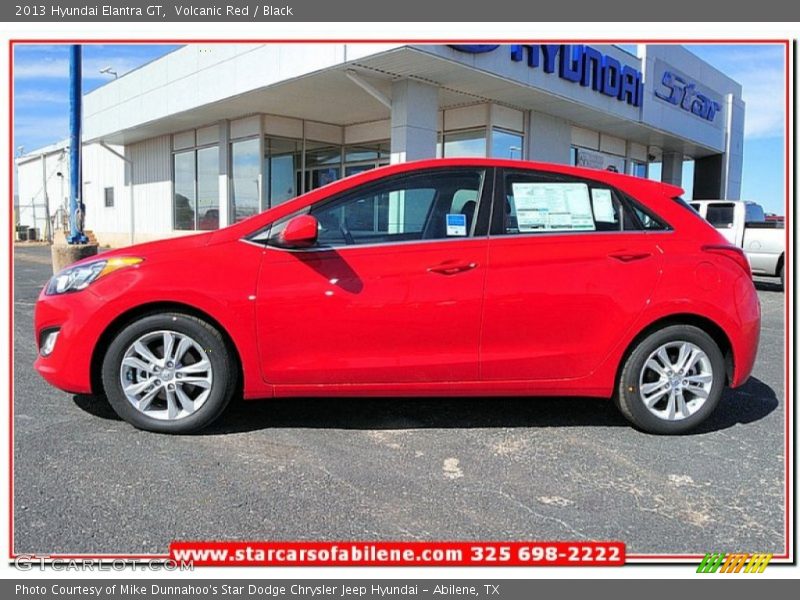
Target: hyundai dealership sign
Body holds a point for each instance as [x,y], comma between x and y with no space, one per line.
[682,92]
[584,65]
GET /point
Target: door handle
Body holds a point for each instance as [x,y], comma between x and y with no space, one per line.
[452,268]
[627,257]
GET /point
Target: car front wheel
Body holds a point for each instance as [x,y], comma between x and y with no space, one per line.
[169,373]
[672,380]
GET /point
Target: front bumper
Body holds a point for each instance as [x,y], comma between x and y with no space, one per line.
[68,366]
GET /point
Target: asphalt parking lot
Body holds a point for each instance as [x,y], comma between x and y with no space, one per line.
[438,469]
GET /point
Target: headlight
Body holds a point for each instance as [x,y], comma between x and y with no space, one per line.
[74,279]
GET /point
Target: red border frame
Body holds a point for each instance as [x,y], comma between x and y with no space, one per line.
[640,558]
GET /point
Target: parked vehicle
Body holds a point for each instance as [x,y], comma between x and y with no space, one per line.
[744,224]
[456,277]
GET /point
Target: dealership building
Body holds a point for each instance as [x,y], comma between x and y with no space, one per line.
[210,134]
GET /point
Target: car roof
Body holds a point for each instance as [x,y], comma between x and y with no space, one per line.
[629,183]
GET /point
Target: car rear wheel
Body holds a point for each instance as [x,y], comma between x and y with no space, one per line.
[169,373]
[672,380]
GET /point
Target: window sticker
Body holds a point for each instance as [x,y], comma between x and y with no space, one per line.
[456,225]
[603,205]
[552,207]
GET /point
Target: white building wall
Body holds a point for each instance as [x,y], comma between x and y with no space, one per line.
[201,74]
[549,139]
[102,169]
[367,132]
[152,180]
[34,186]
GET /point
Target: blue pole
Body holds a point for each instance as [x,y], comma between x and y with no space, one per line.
[76,207]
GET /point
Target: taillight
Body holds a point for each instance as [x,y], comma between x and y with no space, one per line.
[737,255]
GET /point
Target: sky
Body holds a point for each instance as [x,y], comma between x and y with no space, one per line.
[760,69]
[41,85]
[41,78]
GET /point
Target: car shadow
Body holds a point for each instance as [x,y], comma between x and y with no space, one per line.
[749,403]
[746,404]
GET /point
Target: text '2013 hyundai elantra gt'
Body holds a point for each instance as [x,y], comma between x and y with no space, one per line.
[456,277]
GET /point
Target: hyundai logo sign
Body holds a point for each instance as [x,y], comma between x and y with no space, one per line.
[683,94]
[584,65]
[475,48]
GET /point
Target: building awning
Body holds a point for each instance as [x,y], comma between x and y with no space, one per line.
[328,95]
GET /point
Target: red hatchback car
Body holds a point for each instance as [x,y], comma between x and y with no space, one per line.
[447,277]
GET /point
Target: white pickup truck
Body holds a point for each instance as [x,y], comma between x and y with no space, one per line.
[743,224]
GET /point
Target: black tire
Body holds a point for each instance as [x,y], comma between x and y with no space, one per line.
[224,369]
[633,407]
[783,285]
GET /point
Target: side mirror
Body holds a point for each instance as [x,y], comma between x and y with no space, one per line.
[300,232]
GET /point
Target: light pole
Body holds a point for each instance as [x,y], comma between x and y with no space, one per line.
[76,217]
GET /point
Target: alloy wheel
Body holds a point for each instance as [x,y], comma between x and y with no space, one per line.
[166,375]
[675,380]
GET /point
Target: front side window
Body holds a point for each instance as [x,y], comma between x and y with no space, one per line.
[425,206]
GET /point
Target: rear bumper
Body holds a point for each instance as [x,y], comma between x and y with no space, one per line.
[744,342]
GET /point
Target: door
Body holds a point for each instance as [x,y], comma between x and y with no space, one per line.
[570,268]
[392,292]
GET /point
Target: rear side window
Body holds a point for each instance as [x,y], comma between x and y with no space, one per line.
[542,203]
[720,215]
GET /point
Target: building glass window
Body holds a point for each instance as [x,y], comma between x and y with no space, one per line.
[506,144]
[637,168]
[593,159]
[184,198]
[282,164]
[108,194]
[465,143]
[323,164]
[358,159]
[208,188]
[245,179]
[196,189]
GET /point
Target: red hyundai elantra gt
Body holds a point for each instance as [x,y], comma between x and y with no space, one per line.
[458,277]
